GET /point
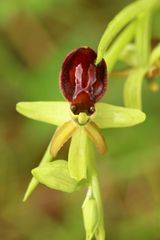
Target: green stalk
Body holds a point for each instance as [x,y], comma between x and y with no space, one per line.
[100,232]
[94,183]
[143,36]
[155,55]
[113,54]
[133,88]
[127,15]
[34,182]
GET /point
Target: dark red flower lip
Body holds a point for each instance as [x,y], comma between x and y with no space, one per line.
[83,82]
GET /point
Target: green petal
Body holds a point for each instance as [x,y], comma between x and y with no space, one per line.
[78,155]
[62,135]
[55,175]
[50,112]
[109,116]
[96,137]
[133,89]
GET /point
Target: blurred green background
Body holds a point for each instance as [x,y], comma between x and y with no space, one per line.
[35,36]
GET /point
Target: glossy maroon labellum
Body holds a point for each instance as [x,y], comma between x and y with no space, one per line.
[83,82]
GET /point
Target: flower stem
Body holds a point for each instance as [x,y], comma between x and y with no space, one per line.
[100,233]
[112,55]
[34,182]
[121,20]
[94,183]
[143,36]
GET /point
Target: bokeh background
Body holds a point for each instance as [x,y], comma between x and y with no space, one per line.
[35,36]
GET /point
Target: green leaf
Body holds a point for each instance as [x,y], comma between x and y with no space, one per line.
[79,154]
[34,182]
[133,88]
[55,175]
[109,116]
[50,112]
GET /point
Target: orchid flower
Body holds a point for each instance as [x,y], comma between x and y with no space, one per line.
[80,170]
[83,81]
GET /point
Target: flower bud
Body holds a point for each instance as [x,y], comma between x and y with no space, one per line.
[90,217]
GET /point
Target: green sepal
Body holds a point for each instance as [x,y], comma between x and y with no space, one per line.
[50,112]
[78,155]
[56,175]
[133,88]
[110,116]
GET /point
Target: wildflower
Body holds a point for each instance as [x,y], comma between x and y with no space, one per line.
[83,82]
[79,126]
